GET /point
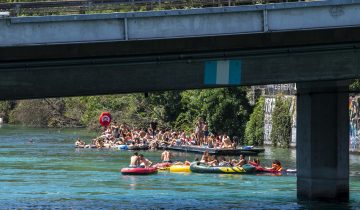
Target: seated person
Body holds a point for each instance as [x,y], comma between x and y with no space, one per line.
[212,161]
[223,162]
[144,163]
[205,157]
[226,143]
[134,160]
[241,161]
[276,166]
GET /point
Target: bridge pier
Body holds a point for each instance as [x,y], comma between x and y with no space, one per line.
[323,141]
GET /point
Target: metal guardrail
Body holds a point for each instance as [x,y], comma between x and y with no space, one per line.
[58,7]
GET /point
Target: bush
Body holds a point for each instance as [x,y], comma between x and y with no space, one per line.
[281,123]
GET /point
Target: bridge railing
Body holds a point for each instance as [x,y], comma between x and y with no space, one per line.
[59,7]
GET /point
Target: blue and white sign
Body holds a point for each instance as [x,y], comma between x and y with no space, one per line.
[225,72]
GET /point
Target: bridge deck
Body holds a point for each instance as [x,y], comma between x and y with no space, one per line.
[179,23]
[74,55]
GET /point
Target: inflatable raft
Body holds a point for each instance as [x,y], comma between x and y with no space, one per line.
[180,168]
[123,147]
[138,171]
[198,167]
[265,170]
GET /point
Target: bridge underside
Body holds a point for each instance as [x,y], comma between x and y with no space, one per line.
[38,71]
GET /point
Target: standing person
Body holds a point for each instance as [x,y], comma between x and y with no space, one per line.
[153,126]
[115,130]
[199,131]
[134,160]
[206,133]
[165,156]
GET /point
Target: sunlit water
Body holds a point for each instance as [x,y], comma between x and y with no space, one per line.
[50,173]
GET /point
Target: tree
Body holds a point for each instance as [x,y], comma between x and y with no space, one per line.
[166,106]
[31,112]
[281,123]
[225,109]
[5,108]
[355,85]
[254,132]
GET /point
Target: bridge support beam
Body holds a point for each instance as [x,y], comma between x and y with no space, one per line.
[323,141]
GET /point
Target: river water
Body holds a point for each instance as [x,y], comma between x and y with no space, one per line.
[49,173]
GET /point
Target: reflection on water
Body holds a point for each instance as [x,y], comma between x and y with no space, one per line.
[50,173]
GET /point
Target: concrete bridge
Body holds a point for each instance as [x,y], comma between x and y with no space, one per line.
[315,44]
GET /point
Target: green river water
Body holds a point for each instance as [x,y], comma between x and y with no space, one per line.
[51,174]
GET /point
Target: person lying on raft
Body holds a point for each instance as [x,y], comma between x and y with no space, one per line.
[187,163]
[276,166]
[144,163]
[165,156]
[134,160]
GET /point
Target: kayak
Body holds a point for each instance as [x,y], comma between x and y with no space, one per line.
[180,168]
[198,167]
[163,166]
[138,171]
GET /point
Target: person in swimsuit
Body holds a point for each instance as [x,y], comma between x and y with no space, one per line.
[206,133]
[134,160]
[242,161]
[144,163]
[276,166]
[165,156]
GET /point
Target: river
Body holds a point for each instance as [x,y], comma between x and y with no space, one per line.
[49,173]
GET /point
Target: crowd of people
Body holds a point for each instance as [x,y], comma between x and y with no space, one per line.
[212,160]
[154,137]
[138,160]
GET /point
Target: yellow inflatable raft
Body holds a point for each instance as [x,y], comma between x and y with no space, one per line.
[180,168]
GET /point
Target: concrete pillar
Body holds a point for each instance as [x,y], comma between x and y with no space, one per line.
[322,151]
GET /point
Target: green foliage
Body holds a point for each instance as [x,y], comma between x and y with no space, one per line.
[355,85]
[50,112]
[5,108]
[281,123]
[254,132]
[31,112]
[225,110]
[168,105]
